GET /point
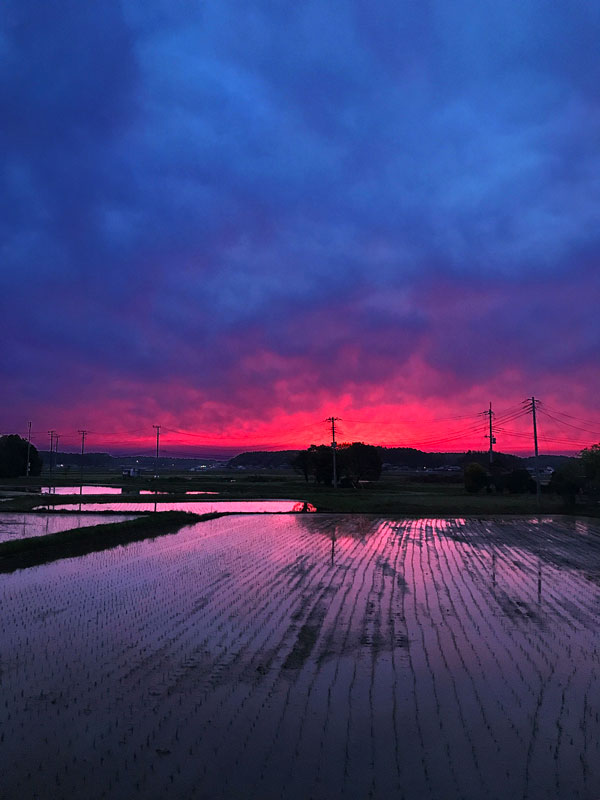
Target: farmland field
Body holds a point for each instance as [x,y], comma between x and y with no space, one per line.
[103,490]
[80,490]
[24,526]
[309,656]
[194,506]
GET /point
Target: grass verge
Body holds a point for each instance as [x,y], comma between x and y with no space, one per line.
[22,553]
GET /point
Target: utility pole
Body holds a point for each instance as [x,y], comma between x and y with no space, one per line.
[83,435]
[333,420]
[51,434]
[535,442]
[490,436]
[28,468]
[157,447]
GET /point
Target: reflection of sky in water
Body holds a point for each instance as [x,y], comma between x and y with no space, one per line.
[163,493]
[23,526]
[85,490]
[239,506]
[109,490]
[454,658]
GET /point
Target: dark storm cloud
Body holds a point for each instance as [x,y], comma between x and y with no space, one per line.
[225,194]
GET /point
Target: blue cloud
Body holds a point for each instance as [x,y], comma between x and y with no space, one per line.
[187,184]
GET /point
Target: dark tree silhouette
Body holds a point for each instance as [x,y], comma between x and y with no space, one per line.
[13,457]
[475,477]
[302,463]
[590,458]
[568,481]
[354,462]
[358,461]
[321,463]
[519,481]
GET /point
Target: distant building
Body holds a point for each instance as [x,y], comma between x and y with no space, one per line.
[545,474]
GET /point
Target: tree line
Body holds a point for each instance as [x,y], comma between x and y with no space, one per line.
[355,462]
[13,457]
[573,477]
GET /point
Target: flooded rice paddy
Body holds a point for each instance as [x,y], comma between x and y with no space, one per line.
[81,490]
[24,525]
[194,506]
[103,490]
[309,656]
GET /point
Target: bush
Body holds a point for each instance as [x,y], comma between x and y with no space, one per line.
[476,478]
[568,482]
[13,457]
[519,481]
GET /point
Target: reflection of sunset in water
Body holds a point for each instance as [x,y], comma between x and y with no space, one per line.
[320,654]
[195,507]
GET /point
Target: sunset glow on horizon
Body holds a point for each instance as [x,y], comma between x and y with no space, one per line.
[235,220]
[420,427]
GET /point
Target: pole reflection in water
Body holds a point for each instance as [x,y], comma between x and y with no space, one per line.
[396,666]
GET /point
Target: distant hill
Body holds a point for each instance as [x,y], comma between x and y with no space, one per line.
[394,457]
[401,457]
[264,459]
[547,461]
[106,461]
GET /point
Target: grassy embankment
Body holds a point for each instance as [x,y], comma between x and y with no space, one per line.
[21,553]
[397,494]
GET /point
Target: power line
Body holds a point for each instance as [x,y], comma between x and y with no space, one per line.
[490,414]
[535,442]
[333,420]
[28,468]
[569,424]
[83,435]
[157,427]
[571,416]
[51,434]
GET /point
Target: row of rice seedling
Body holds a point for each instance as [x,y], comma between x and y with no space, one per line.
[549,657]
[15,525]
[194,506]
[308,656]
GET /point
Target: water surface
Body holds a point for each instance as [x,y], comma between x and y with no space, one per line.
[301,656]
[127,490]
[24,525]
[196,507]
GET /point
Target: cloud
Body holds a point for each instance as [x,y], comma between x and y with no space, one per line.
[272,208]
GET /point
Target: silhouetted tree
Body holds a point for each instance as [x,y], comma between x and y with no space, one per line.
[354,462]
[13,457]
[321,463]
[567,481]
[359,461]
[590,459]
[475,478]
[519,481]
[501,463]
[302,463]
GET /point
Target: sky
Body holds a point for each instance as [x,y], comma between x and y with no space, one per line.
[237,219]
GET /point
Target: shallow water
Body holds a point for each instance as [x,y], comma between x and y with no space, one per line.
[23,526]
[88,489]
[76,490]
[307,656]
[196,507]
[150,491]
